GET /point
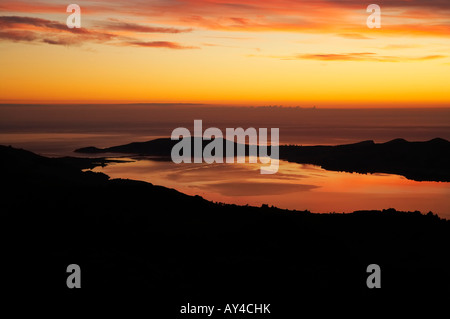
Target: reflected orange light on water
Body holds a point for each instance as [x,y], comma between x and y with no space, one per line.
[295,186]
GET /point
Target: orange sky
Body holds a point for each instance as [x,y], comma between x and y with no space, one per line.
[244,52]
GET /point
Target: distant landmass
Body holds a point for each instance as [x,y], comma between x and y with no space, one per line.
[420,161]
[137,238]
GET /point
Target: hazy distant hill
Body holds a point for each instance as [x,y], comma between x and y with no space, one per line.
[415,160]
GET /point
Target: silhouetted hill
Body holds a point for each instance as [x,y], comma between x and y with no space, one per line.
[135,238]
[420,161]
[157,147]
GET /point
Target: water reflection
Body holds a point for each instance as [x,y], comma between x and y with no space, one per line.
[295,186]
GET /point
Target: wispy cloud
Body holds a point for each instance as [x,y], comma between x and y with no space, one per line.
[362,56]
[31,29]
[343,17]
[334,16]
[160,44]
[133,27]
[18,35]
[353,57]
[16,28]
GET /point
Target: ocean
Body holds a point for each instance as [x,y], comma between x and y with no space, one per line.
[57,130]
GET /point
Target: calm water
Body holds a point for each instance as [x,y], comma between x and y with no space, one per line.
[295,186]
[57,130]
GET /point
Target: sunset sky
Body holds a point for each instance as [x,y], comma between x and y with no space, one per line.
[248,52]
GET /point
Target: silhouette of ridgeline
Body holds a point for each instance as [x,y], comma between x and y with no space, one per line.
[420,161]
[132,237]
[157,147]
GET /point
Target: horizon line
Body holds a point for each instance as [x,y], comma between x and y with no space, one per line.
[402,106]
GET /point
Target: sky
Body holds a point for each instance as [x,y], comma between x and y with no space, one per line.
[250,52]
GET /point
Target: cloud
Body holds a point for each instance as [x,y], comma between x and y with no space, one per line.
[31,29]
[332,16]
[160,44]
[30,6]
[428,57]
[16,21]
[216,6]
[347,18]
[18,35]
[133,27]
[241,21]
[352,57]
[361,56]
[52,32]
[428,4]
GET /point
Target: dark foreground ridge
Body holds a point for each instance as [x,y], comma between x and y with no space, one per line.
[132,237]
[420,161]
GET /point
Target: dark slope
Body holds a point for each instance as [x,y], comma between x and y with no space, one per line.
[158,147]
[421,161]
[134,238]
